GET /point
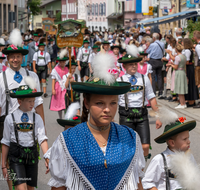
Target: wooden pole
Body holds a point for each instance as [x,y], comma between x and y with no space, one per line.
[70,70]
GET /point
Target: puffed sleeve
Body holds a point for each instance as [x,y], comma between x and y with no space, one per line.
[40,130]
[57,165]
[148,89]
[187,54]
[35,57]
[6,132]
[79,54]
[48,58]
[153,173]
[177,60]
[38,100]
[53,74]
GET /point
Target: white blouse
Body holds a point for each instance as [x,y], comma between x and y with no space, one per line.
[62,174]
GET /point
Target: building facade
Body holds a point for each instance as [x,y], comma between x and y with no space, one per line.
[97,12]
[7,6]
[130,17]
[49,8]
[22,15]
[69,9]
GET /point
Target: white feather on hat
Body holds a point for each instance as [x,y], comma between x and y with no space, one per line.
[101,64]
[132,50]
[72,110]
[186,170]
[2,41]
[16,38]
[140,49]
[63,52]
[30,82]
[26,38]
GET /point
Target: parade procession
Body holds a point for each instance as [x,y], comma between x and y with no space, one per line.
[86,105]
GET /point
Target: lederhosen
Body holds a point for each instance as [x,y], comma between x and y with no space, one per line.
[136,118]
[41,70]
[23,161]
[76,95]
[84,66]
[197,71]
[2,118]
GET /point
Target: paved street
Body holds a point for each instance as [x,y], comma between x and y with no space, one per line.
[53,130]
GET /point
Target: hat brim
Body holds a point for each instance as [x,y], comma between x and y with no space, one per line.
[131,60]
[112,47]
[31,95]
[92,88]
[105,43]
[64,122]
[1,45]
[22,51]
[175,130]
[2,57]
[144,54]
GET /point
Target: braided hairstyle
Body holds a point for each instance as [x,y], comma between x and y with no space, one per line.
[84,116]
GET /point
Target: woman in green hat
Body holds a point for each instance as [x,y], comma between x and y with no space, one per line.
[58,84]
[98,154]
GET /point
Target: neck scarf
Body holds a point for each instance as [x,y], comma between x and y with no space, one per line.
[90,159]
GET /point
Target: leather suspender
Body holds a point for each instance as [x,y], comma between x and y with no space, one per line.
[166,172]
[16,133]
[125,97]
[7,89]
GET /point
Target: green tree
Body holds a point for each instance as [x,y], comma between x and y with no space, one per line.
[192,26]
[58,17]
[34,6]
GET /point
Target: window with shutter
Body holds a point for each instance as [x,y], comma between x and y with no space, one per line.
[104,8]
[88,9]
[97,9]
[92,9]
[100,9]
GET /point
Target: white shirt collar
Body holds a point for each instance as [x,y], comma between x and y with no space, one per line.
[169,152]
[21,112]
[13,72]
[136,75]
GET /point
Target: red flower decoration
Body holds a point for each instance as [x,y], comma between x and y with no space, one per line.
[86,51]
[182,119]
[41,53]
[34,90]
[13,47]
[75,118]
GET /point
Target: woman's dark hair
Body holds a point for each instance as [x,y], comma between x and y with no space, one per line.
[85,112]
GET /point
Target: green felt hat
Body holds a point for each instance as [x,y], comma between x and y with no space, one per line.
[73,62]
[15,49]
[51,40]
[86,41]
[105,42]
[129,59]
[175,128]
[36,35]
[41,44]
[95,46]
[72,122]
[24,91]
[115,46]
[143,53]
[63,59]
[97,86]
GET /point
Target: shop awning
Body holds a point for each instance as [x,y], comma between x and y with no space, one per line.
[170,18]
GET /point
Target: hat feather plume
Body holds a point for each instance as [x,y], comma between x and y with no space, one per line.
[16,38]
[186,170]
[140,49]
[72,110]
[101,63]
[2,41]
[30,82]
[132,50]
[63,53]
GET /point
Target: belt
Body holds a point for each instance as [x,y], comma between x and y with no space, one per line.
[190,63]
